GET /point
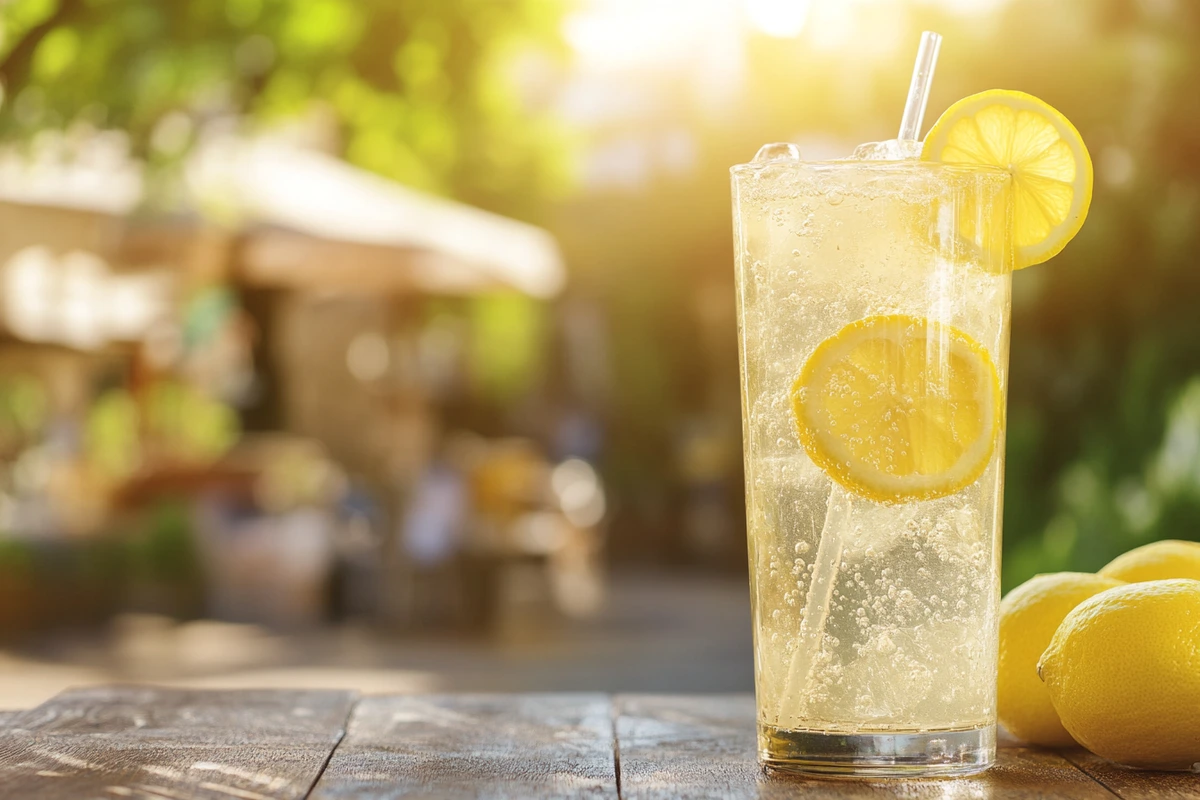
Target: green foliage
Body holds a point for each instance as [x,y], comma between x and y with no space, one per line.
[163,547]
[113,437]
[16,557]
[508,337]
[23,411]
[1101,511]
[100,559]
[1106,337]
[175,422]
[187,424]
[423,91]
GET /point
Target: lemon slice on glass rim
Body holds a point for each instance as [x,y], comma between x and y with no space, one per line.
[1040,148]
[898,408]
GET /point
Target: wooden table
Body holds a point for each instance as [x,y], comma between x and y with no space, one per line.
[135,742]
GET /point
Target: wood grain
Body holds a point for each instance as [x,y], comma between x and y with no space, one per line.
[151,711]
[1133,784]
[184,745]
[475,746]
[704,747]
[138,742]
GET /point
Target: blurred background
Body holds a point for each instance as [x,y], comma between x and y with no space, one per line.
[390,344]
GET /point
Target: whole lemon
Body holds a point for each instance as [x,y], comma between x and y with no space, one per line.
[1123,672]
[1029,616]
[1158,561]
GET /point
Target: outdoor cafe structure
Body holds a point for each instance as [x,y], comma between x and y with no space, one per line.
[329,262]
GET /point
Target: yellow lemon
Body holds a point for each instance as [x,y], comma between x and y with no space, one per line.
[1157,561]
[1123,671]
[896,407]
[1050,165]
[1029,616]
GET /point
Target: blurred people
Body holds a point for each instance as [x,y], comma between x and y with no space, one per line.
[435,520]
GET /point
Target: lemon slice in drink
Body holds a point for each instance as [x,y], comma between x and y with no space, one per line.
[898,408]
[1051,169]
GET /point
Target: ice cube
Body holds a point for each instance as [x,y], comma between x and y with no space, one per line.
[777,151]
[875,531]
[888,679]
[890,150]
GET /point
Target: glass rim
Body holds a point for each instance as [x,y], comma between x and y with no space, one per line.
[891,166]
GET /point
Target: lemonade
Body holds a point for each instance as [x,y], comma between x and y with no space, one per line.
[873,300]
[884,284]
[873,308]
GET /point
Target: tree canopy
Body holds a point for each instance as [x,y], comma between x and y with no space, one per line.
[439,94]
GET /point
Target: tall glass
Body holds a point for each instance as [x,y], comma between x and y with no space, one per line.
[894,672]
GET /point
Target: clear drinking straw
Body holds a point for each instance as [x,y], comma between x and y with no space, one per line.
[918,88]
[838,507]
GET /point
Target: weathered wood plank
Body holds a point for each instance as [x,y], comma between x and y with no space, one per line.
[183,745]
[6,718]
[149,711]
[704,747]
[475,746]
[1132,784]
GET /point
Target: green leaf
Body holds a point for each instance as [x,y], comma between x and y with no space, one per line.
[56,53]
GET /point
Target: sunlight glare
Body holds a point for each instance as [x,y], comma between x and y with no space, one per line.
[968,7]
[623,34]
[783,19]
[832,24]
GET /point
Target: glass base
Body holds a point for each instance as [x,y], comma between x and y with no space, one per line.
[878,755]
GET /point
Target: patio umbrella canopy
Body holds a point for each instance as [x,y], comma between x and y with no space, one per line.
[303,219]
[313,221]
